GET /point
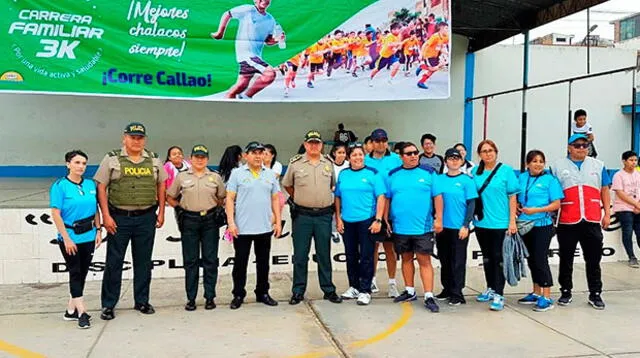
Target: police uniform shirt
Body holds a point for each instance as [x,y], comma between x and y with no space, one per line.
[75,202]
[359,190]
[536,192]
[410,191]
[311,183]
[110,170]
[198,193]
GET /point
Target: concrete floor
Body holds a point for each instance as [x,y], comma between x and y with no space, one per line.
[31,324]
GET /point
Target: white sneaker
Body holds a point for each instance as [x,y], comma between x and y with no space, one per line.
[286,92]
[370,82]
[351,293]
[393,290]
[363,299]
[374,287]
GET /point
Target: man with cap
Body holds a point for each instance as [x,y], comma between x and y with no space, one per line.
[201,191]
[130,190]
[585,184]
[309,181]
[253,216]
[383,160]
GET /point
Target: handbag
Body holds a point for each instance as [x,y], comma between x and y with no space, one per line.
[524,226]
[220,216]
[479,209]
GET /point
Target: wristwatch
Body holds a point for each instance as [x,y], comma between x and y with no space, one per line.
[379,221]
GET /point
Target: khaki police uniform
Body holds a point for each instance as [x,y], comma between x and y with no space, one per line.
[199,196]
[313,198]
[133,199]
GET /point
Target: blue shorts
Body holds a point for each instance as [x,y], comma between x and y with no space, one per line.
[386,61]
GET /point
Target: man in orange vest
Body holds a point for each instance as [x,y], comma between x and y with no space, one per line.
[585,183]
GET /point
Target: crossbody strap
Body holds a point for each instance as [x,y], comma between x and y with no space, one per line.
[486,182]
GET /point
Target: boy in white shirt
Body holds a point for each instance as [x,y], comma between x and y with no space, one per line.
[581,126]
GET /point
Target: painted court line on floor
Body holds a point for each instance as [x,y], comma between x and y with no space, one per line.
[17,351]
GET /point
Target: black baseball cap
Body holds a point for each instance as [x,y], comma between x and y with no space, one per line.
[200,150]
[253,146]
[135,128]
[452,152]
[313,136]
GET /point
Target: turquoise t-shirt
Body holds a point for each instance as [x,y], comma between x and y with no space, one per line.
[75,201]
[385,164]
[536,192]
[359,191]
[456,190]
[495,197]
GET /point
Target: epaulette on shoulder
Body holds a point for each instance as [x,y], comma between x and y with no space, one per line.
[153,155]
[295,158]
[115,153]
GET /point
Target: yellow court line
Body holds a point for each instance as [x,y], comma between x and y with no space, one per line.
[17,351]
[407,312]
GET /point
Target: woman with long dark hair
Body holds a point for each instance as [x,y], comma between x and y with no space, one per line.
[495,216]
[338,156]
[230,160]
[175,164]
[74,209]
[540,195]
[270,159]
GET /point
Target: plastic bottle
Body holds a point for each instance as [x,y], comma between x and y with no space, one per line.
[278,34]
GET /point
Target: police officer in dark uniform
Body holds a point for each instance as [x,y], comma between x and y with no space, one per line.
[309,181]
[130,191]
[201,191]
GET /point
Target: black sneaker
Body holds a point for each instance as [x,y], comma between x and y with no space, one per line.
[596,301]
[209,304]
[565,298]
[145,308]
[333,297]
[405,297]
[190,306]
[443,296]
[456,301]
[236,302]
[70,316]
[107,314]
[296,298]
[83,321]
[431,305]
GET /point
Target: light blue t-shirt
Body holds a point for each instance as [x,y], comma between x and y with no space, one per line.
[359,191]
[75,202]
[456,190]
[385,164]
[253,30]
[411,192]
[537,192]
[253,214]
[495,197]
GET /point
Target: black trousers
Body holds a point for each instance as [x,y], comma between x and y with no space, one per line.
[452,253]
[490,241]
[359,249]
[262,250]
[200,234]
[78,266]
[589,235]
[537,242]
[141,231]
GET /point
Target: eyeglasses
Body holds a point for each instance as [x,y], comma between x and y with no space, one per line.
[355,145]
[410,154]
[487,151]
[580,145]
[454,157]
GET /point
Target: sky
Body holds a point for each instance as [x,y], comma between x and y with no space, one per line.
[576,24]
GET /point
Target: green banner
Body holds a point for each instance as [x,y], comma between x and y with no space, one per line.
[260,50]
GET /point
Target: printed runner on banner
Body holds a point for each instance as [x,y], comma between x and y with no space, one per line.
[242,50]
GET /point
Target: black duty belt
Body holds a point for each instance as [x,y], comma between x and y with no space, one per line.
[303,210]
[199,213]
[116,211]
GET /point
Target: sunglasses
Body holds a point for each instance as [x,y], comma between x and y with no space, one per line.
[410,154]
[580,145]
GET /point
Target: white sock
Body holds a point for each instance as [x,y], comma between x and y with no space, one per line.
[428,295]
[410,290]
[392,281]
[373,280]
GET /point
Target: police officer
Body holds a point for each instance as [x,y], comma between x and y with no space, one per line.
[201,191]
[134,178]
[309,180]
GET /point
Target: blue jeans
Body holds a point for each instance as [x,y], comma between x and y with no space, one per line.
[359,246]
[629,222]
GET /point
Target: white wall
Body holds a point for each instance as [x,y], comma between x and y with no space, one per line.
[38,129]
[500,68]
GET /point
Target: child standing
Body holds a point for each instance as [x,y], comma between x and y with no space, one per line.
[581,126]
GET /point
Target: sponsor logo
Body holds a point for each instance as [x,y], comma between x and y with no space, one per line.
[11,76]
